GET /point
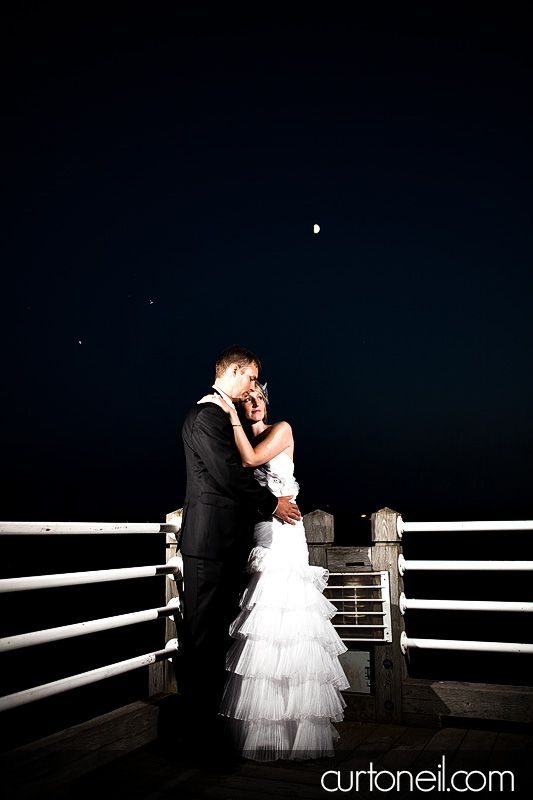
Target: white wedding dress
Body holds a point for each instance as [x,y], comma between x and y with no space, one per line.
[283,689]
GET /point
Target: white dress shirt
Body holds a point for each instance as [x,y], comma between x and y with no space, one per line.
[224,396]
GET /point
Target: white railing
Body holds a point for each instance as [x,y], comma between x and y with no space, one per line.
[458,527]
[80,578]
[173,569]
[463,605]
[82,628]
[464,566]
[406,565]
[461,644]
[84,678]
[83,528]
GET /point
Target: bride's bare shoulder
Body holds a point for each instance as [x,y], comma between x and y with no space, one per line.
[281,427]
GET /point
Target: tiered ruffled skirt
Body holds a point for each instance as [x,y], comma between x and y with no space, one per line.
[283,690]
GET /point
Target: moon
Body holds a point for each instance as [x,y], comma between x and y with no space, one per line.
[316,228]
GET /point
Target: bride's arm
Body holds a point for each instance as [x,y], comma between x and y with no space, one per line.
[278,438]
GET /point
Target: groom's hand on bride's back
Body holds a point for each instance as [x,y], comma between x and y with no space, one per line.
[287,510]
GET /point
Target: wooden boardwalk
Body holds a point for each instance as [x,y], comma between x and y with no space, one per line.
[156,770]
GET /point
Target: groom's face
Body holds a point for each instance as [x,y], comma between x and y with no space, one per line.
[244,382]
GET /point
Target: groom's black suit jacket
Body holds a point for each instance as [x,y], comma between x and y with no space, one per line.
[223,499]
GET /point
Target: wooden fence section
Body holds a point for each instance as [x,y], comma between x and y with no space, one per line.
[41,768]
[426,702]
[395,697]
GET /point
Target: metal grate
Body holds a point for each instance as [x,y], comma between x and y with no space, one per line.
[362,600]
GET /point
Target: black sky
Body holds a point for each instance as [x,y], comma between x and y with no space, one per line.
[162,175]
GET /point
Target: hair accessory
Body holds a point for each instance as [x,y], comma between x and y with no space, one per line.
[264,390]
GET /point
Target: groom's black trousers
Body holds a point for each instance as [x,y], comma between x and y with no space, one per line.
[210,592]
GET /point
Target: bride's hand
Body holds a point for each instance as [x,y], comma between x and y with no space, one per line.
[218,401]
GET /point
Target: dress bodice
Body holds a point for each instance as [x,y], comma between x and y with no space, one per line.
[278,475]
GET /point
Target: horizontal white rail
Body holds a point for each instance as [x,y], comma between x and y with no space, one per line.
[463,605]
[482,525]
[79,578]
[357,600]
[472,566]
[84,528]
[360,613]
[355,625]
[458,644]
[84,678]
[361,639]
[82,628]
[354,586]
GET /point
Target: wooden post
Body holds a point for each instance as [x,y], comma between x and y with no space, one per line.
[156,672]
[319,533]
[161,677]
[390,667]
[171,590]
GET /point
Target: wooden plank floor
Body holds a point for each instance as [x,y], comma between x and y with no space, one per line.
[156,771]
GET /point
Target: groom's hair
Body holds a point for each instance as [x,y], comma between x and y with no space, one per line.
[235,355]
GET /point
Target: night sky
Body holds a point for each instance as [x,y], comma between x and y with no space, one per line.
[162,174]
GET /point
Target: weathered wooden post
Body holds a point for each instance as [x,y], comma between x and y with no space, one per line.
[319,535]
[390,667]
[161,676]
[171,591]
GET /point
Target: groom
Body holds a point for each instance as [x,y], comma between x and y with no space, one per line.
[223,502]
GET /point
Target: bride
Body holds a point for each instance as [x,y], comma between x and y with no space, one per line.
[283,688]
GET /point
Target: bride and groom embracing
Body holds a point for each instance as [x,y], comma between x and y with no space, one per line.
[242,538]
